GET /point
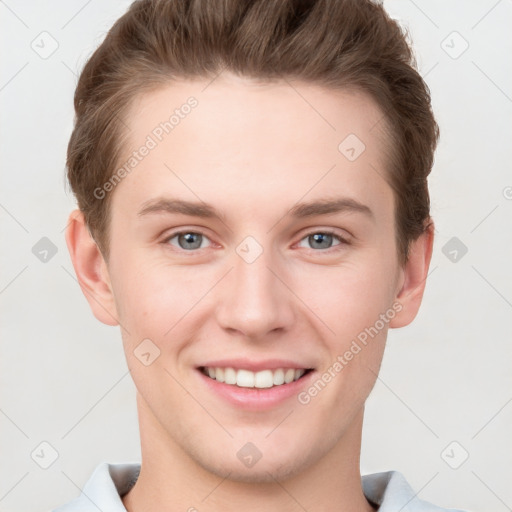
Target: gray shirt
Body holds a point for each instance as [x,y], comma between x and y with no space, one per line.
[389,491]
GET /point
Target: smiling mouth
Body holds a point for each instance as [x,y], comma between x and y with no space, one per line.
[263,379]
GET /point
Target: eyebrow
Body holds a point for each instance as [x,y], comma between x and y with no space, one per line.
[195,209]
[328,206]
[301,210]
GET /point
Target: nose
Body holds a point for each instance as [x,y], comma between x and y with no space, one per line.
[255,301]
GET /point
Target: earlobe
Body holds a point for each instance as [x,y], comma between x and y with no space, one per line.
[414,276]
[91,269]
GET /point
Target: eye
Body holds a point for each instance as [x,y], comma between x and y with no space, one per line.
[322,240]
[187,240]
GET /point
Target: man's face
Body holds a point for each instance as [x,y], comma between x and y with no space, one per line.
[268,285]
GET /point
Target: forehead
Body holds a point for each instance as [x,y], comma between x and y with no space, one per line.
[292,137]
[231,105]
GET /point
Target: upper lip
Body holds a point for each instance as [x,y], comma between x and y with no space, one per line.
[255,366]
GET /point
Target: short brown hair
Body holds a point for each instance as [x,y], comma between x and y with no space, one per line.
[350,44]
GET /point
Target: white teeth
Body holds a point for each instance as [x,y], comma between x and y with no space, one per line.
[247,379]
[278,377]
[289,375]
[229,376]
[263,379]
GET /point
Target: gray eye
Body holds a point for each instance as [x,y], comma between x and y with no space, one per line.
[320,240]
[188,240]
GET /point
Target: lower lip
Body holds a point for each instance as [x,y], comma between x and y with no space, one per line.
[256,399]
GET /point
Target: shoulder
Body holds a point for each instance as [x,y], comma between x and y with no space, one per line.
[104,489]
[391,492]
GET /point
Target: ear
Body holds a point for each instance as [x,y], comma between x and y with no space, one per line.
[413,278]
[91,269]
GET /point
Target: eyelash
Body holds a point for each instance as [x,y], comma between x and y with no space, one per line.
[342,241]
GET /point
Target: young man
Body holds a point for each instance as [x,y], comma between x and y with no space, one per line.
[254,215]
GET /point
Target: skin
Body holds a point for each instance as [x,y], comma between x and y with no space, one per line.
[252,151]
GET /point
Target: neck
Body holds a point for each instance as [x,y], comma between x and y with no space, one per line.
[171,480]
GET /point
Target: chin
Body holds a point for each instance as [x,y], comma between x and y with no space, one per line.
[266,470]
[254,475]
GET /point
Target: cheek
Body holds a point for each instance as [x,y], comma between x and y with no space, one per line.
[350,298]
[158,302]
[150,307]
[144,300]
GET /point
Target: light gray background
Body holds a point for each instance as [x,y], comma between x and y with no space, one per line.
[445,378]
